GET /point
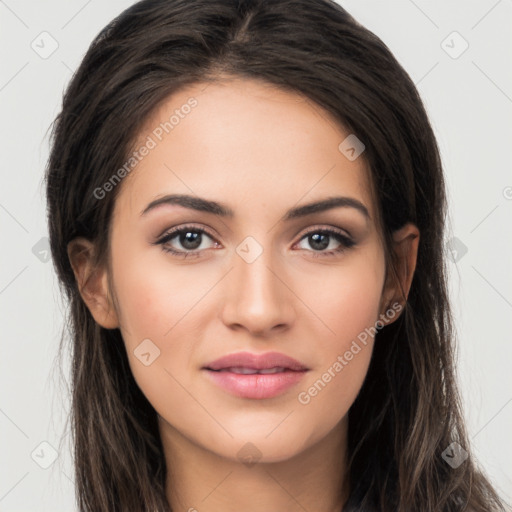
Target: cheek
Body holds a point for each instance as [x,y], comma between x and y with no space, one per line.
[153,296]
[161,313]
[154,308]
[331,389]
[349,301]
[348,305]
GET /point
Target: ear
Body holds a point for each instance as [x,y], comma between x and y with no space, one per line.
[92,282]
[397,286]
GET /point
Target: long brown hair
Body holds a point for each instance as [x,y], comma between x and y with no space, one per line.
[407,412]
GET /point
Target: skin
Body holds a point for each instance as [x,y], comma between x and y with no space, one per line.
[260,151]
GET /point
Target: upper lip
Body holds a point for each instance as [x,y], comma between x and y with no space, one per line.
[256,361]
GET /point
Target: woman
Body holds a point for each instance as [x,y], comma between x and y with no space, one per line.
[246,209]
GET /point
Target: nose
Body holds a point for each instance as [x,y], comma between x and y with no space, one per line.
[257,297]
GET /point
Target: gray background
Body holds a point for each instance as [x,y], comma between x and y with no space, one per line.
[469,99]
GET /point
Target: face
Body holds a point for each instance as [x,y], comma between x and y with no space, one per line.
[241,266]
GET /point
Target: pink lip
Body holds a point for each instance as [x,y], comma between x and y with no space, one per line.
[256,386]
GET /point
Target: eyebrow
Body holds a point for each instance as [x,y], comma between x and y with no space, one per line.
[205,205]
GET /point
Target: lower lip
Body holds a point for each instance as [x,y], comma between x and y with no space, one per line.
[257,386]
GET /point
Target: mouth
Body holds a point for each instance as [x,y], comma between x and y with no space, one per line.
[253,376]
[248,361]
[252,371]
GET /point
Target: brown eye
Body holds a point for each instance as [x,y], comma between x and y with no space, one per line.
[320,239]
[186,241]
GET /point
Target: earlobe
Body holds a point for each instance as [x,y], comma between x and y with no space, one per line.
[398,284]
[92,282]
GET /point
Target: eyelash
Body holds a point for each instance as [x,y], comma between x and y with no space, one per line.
[345,241]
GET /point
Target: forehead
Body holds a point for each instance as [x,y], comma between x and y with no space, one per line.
[247,142]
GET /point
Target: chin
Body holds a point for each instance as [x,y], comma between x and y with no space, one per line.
[261,444]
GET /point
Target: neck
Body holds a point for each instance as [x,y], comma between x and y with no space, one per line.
[199,480]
